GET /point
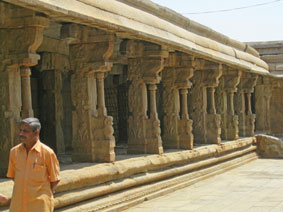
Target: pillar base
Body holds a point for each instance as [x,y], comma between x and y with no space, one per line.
[250,125]
[213,128]
[186,137]
[230,129]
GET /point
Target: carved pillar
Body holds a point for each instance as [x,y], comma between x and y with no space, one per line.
[145,61]
[263,94]
[225,103]
[175,80]
[206,125]
[243,104]
[21,36]
[53,65]
[90,51]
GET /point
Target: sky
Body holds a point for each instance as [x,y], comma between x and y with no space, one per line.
[256,23]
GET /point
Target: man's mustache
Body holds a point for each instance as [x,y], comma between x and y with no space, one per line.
[22,137]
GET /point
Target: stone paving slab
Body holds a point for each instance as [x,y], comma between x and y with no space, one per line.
[253,187]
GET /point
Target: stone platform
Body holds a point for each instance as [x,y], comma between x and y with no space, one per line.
[131,178]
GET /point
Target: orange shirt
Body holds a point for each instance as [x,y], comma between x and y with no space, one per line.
[32,174]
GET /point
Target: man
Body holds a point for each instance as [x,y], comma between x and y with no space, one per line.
[35,170]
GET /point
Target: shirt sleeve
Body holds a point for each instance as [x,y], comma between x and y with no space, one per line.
[11,168]
[53,167]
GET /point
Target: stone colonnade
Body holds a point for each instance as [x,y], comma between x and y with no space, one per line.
[202,101]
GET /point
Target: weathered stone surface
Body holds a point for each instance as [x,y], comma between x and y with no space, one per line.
[269,146]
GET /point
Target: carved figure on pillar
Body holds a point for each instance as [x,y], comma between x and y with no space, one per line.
[90,50]
[175,80]
[27,33]
[145,61]
[243,104]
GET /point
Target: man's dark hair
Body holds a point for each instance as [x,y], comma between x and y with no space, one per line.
[33,123]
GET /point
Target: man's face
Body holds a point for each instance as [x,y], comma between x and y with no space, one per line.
[27,135]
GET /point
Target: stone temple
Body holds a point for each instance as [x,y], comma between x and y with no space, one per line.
[131,93]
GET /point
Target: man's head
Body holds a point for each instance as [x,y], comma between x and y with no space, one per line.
[29,131]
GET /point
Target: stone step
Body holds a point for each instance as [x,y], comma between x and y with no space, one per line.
[157,185]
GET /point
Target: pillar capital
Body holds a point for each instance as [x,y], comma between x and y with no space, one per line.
[210,73]
[179,70]
[248,82]
[149,57]
[24,28]
[90,48]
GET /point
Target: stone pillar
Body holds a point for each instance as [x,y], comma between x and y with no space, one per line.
[243,104]
[225,103]
[175,81]
[90,50]
[276,109]
[26,93]
[22,31]
[54,63]
[145,61]
[206,125]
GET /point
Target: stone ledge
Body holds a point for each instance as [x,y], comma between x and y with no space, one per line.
[123,199]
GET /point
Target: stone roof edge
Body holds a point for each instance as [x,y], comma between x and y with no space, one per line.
[188,24]
[126,19]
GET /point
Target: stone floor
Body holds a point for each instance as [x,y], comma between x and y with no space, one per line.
[254,187]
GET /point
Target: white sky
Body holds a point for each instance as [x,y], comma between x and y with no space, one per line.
[261,23]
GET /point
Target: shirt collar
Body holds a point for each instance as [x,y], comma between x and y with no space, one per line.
[35,147]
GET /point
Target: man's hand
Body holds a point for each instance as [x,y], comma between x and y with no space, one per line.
[3,198]
[53,185]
